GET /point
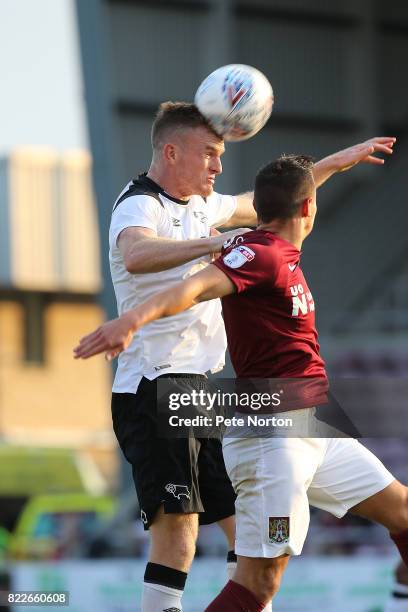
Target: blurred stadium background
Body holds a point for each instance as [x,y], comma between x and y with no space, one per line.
[82,81]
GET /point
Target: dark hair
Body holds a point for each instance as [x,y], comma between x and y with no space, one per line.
[281,186]
[177,115]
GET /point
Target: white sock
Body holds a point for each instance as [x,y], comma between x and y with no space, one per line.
[395,603]
[231,567]
[159,598]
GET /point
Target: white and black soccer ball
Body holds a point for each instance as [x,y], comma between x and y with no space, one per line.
[236,99]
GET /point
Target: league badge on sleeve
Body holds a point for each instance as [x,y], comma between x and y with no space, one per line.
[238,256]
[278,529]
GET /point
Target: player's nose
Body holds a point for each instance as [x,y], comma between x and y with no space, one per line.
[216,165]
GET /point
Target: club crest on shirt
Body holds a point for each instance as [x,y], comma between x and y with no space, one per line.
[278,529]
[238,256]
[200,215]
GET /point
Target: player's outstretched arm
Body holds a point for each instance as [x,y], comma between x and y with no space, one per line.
[113,337]
[143,251]
[322,171]
[346,159]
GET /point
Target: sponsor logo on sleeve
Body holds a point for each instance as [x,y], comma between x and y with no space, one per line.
[238,256]
[230,241]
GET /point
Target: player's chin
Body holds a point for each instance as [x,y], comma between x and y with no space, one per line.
[207,189]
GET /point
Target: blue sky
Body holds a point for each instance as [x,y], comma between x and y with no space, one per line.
[41,100]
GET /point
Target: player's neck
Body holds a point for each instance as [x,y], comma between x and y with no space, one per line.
[287,230]
[166,182]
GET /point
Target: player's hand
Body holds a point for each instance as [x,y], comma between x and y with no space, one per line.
[112,337]
[214,232]
[364,152]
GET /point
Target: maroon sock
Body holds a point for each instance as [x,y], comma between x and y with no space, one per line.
[235,598]
[401,542]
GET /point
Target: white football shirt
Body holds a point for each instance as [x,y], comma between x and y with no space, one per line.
[192,341]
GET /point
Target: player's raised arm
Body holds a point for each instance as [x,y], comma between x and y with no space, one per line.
[347,158]
[116,335]
[322,171]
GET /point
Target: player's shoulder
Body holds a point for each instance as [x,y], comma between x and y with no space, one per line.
[249,249]
[261,247]
[135,195]
[270,243]
[259,240]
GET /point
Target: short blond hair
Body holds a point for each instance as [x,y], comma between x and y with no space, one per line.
[177,115]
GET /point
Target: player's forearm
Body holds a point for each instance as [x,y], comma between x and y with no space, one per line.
[115,336]
[158,254]
[324,169]
[167,303]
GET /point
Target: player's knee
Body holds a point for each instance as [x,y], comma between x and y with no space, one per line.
[182,536]
[273,578]
[183,550]
[268,579]
[174,537]
[176,550]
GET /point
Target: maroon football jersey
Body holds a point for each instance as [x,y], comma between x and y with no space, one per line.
[270,320]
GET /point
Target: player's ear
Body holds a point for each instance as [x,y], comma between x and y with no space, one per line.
[254,205]
[169,152]
[306,207]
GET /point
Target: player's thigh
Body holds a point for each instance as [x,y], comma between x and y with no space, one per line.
[165,470]
[271,477]
[133,424]
[348,474]
[388,507]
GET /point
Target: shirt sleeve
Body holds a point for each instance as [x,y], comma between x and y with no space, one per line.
[248,265]
[220,208]
[135,211]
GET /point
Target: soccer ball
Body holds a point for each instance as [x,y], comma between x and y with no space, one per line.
[237,101]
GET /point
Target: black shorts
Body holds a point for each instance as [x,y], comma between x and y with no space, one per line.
[185,475]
